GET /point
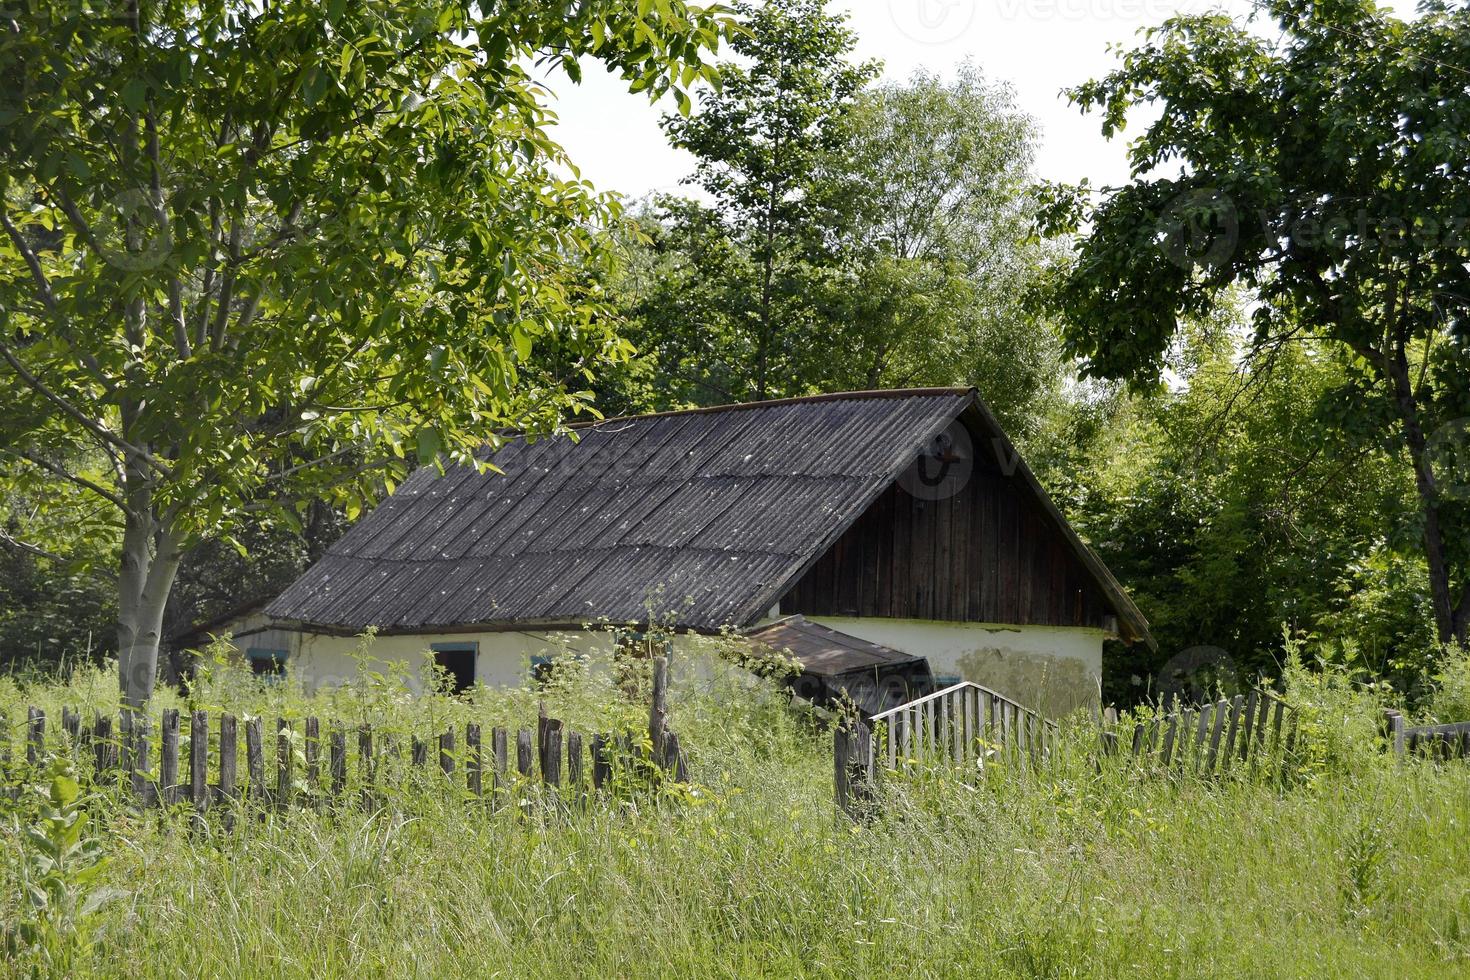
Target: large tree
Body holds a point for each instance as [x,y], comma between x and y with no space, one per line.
[253,254]
[1323,166]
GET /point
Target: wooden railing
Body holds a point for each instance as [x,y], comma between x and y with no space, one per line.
[1450,741]
[960,724]
[1209,738]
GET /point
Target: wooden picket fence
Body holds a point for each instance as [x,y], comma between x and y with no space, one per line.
[964,725]
[1209,738]
[1450,741]
[551,755]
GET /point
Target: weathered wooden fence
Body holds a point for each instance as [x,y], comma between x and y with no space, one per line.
[963,725]
[1209,738]
[198,757]
[966,726]
[1450,741]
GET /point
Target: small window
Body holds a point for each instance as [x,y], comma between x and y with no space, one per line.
[267,663]
[457,660]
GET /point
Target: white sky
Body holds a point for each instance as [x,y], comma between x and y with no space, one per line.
[1039,46]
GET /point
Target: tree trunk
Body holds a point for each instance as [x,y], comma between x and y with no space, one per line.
[150,559]
[1449,620]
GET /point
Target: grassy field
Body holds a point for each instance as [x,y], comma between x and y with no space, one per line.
[1358,867]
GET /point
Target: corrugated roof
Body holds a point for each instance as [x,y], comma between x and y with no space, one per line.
[701,517]
[824,651]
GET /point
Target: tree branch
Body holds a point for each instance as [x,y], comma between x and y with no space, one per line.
[59,471]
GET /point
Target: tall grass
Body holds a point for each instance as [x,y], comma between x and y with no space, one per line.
[1361,868]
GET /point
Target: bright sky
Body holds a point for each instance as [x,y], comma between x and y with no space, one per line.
[1039,46]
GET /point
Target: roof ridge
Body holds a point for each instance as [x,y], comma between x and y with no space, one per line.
[826,396]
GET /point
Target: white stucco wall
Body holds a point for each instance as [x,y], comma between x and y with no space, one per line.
[1055,669]
[503,659]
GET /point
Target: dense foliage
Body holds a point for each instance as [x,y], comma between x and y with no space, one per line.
[1321,165]
[256,255]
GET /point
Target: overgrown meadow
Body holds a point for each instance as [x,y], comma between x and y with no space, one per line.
[1353,864]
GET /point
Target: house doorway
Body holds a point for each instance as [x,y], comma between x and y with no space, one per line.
[457,661]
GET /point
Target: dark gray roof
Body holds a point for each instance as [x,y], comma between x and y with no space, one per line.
[824,651]
[705,517]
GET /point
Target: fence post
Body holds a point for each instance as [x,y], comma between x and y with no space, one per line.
[853,766]
[659,710]
[168,759]
[313,756]
[229,748]
[1395,732]
[365,763]
[551,759]
[523,752]
[35,735]
[601,761]
[475,764]
[501,762]
[674,758]
[104,750]
[285,761]
[199,765]
[574,767]
[140,775]
[446,752]
[255,759]
[338,761]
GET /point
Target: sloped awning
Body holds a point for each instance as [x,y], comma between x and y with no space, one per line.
[834,664]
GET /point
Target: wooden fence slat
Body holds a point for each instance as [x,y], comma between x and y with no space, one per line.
[574,765]
[1237,706]
[1217,726]
[658,712]
[418,753]
[285,762]
[601,761]
[500,753]
[551,760]
[35,735]
[71,724]
[199,765]
[367,766]
[1167,753]
[475,763]
[141,778]
[313,751]
[255,759]
[168,758]
[229,747]
[446,752]
[104,749]
[337,761]
[523,752]
[125,745]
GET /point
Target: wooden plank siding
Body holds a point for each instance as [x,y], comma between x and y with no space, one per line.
[987,554]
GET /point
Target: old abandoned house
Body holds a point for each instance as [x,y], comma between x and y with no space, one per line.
[902,519]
